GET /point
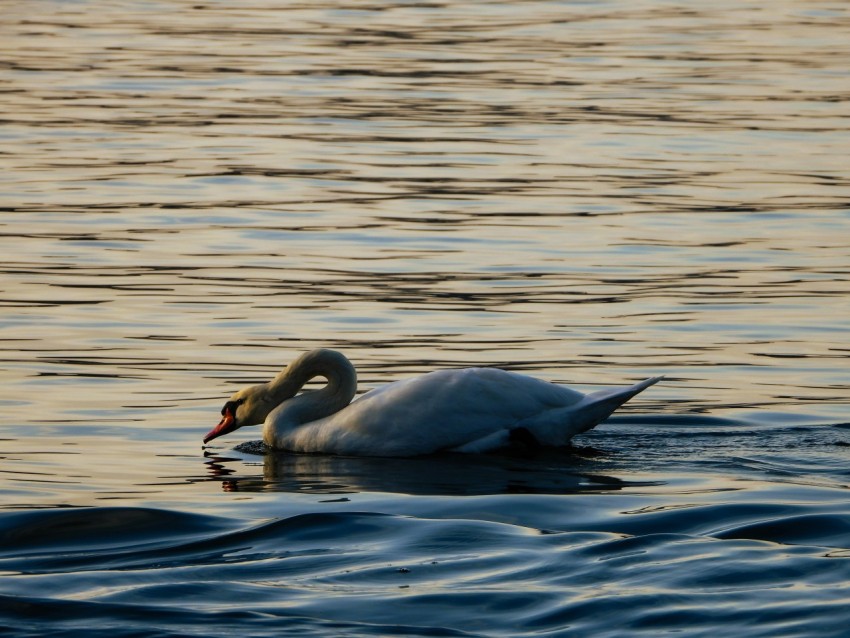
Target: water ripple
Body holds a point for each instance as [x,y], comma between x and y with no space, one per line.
[362,572]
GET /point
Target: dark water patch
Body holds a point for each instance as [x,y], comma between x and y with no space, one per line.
[814,529]
[78,528]
[678,420]
[700,519]
[33,616]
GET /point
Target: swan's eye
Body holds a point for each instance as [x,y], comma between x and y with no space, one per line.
[231,406]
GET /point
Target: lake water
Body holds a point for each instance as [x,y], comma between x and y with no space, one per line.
[194,193]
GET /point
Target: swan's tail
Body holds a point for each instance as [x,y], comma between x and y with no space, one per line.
[598,406]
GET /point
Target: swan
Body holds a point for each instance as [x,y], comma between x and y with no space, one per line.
[467,410]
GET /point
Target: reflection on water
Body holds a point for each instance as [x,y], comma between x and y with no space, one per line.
[441,475]
[193,193]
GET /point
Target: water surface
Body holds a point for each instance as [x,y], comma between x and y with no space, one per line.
[193,193]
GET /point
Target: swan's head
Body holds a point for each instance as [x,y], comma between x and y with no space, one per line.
[249,406]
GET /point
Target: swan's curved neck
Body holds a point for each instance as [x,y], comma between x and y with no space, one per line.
[333,366]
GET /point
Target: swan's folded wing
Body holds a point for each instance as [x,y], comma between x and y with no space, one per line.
[444,410]
[558,426]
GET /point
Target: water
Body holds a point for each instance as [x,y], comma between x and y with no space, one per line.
[193,193]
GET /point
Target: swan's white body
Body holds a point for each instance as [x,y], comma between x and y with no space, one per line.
[468,410]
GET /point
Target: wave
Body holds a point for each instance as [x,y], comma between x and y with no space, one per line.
[126,571]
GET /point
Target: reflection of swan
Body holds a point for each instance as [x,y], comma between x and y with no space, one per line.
[548,472]
[469,410]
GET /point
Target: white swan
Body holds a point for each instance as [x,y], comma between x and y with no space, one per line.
[468,410]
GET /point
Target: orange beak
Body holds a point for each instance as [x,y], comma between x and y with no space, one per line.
[227,424]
